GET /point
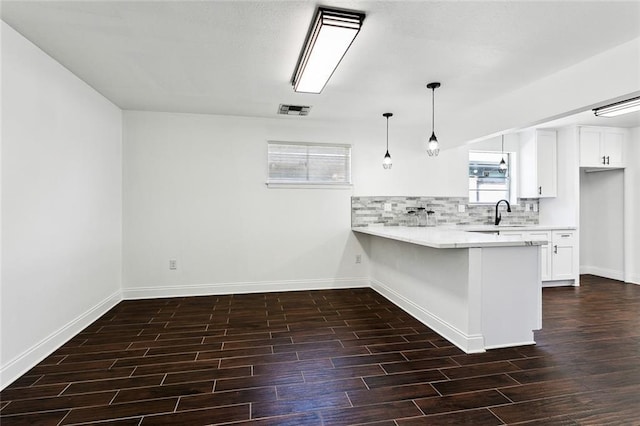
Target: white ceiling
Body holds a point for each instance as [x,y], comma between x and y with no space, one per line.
[237,57]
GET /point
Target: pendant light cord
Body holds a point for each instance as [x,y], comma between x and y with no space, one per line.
[387,133]
[433,110]
[502,146]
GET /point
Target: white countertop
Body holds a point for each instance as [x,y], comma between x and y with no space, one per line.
[507,227]
[445,237]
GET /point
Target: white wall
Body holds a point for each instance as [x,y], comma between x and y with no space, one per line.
[632,207]
[61,205]
[602,223]
[195,192]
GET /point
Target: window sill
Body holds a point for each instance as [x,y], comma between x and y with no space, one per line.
[274,185]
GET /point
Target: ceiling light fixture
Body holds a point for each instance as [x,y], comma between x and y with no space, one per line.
[329,37]
[502,167]
[433,146]
[386,163]
[618,108]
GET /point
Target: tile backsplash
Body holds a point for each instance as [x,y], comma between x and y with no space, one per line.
[394,211]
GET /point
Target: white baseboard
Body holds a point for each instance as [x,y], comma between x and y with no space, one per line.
[469,344]
[241,288]
[602,272]
[19,365]
[559,283]
[634,279]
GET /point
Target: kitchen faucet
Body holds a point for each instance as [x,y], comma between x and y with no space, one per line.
[499,216]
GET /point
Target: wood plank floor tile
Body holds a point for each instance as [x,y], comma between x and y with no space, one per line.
[302,419]
[484,369]
[424,364]
[47,418]
[292,406]
[23,406]
[474,384]
[286,367]
[176,367]
[119,411]
[472,417]
[113,384]
[235,397]
[463,401]
[208,416]
[543,408]
[390,394]
[328,374]
[367,359]
[207,374]
[158,392]
[14,394]
[413,377]
[369,413]
[284,357]
[332,357]
[258,381]
[319,389]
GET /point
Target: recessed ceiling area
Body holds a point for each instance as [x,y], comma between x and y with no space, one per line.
[237,57]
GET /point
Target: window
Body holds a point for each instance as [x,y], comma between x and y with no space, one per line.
[308,163]
[486,183]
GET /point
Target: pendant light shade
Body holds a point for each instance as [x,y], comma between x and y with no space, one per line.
[386,162]
[502,167]
[433,146]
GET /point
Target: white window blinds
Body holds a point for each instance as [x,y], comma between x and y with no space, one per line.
[308,163]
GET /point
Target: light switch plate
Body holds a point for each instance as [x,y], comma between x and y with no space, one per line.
[461,208]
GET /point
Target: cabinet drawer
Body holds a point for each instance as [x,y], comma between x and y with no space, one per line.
[563,237]
[539,236]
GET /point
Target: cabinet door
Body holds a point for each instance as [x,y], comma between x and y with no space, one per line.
[538,164]
[563,255]
[547,164]
[545,261]
[590,147]
[611,144]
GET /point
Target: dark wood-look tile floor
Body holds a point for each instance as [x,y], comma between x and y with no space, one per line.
[336,357]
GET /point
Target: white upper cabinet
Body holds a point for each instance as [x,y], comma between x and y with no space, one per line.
[602,147]
[538,164]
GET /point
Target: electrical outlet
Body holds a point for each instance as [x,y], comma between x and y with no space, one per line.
[535,207]
[173,264]
[387,207]
[461,208]
[358,258]
[527,207]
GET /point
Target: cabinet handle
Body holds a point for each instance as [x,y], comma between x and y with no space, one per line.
[539,190]
[603,160]
[555,249]
[607,159]
[565,235]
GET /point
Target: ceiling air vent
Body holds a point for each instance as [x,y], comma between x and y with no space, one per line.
[293,109]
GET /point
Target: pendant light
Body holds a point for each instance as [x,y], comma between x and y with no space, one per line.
[386,162]
[502,168]
[433,146]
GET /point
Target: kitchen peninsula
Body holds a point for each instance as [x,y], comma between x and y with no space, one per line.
[479,291]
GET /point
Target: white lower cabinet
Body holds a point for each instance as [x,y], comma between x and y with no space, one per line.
[558,256]
[564,252]
[545,253]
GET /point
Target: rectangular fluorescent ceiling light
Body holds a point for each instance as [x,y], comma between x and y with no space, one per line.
[619,108]
[330,36]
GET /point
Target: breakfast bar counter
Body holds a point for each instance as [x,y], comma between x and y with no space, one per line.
[479,291]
